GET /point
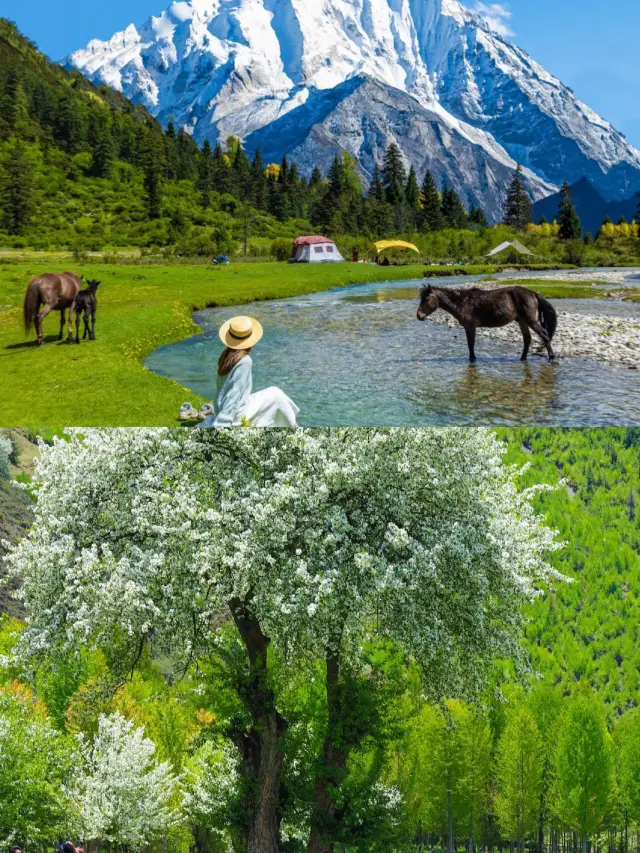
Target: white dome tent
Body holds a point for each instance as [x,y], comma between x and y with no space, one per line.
[315,250]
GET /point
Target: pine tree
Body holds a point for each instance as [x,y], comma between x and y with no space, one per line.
[18,102]
[412,190]
[395,175]
[103,149]
[376,189]
[16,189]
[68,126]
[316,179]
[454,214]
[568,219]
[431,207]
[258,181]
[517,206]
[153,165]
[477,216]
[242,172]
[204,183]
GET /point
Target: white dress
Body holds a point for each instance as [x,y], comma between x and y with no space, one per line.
[235,404]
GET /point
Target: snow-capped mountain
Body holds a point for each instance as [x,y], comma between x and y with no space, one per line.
[311,77]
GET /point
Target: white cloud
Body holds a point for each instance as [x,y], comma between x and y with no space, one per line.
[496,15]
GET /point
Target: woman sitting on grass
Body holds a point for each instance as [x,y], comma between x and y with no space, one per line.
[235,404]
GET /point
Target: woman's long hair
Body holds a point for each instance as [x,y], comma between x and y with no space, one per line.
[229,359]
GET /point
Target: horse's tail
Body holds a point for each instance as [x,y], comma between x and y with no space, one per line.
[548,316]
[31,305]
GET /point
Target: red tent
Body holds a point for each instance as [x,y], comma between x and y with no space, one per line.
[314,250]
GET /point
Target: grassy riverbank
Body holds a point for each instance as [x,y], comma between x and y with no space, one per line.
[140,308]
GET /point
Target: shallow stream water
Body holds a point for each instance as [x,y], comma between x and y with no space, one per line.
[357,356]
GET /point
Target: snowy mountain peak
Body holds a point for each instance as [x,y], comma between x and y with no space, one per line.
[221,67]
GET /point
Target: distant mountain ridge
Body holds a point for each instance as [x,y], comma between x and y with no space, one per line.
[591,207]
[243,67]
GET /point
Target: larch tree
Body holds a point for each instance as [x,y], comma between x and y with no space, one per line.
[627,741]
[519,777]
[584,768]
[313,542]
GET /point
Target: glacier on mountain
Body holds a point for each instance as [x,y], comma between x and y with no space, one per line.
[312,77]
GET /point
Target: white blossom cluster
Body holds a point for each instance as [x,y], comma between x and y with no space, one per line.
[212,784]
[6,449]
[124,796]
[326,536]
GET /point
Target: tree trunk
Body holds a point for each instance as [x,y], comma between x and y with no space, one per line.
[261,747]
[334,762]
[585,843]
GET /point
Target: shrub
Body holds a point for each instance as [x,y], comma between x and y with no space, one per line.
[281,249]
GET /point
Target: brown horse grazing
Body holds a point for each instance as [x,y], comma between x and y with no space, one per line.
[475,308]
[56,293]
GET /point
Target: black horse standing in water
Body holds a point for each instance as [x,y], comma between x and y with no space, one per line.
[475,308]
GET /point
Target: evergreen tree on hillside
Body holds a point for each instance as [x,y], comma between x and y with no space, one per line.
[16,101]
[204,182]
[103,146]
[153,165]
[517,206]
[16,190]
[431,209]
[68,125]
[568,219]
[477,216]
[316,179]
[394,175]
[412,191]
[638,213]
[376,189]
[454,213]
[258,181]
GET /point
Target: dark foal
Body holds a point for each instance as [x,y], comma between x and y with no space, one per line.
[475,308]
[86,304]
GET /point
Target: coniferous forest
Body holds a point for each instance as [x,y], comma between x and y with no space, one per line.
[144,748]
[83,169]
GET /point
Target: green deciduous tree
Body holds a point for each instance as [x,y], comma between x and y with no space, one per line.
[584,768]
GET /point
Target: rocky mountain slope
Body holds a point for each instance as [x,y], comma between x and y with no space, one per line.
[298,74]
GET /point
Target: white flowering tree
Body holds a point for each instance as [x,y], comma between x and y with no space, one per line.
[125,797]
[313,540]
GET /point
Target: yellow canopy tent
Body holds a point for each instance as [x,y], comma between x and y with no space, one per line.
[383,245]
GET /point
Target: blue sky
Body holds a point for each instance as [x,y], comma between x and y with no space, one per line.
[590,45]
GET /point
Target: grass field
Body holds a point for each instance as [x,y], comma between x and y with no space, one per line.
[103,383]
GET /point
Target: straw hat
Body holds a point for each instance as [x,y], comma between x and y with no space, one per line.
[241,333]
